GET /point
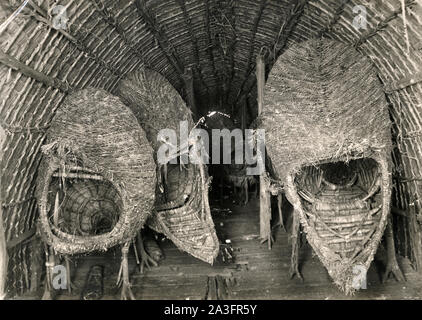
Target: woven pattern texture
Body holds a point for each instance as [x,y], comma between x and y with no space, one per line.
[183,216]
[95,130]
[219,40]
[323,101]
[324,104]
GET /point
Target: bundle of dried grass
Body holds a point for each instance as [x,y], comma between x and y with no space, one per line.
[325,105]
[183,213]
[96,143]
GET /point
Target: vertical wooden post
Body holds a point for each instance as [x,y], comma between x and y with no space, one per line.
[264,195]
[3,249]
[243,116]
[190,92]
[243,127]
[415,236]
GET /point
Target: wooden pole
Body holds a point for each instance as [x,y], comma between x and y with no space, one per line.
[264,195]
[78,175]
[3,248]
[190,92]
[416,237]
[243,116]
[28,71]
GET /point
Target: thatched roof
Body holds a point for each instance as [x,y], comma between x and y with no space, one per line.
[105,40]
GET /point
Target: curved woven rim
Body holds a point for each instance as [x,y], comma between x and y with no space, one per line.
[110,147]
[340,269]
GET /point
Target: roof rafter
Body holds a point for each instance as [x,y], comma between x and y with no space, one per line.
[381,25]
[162,40]
[194,41]
[108,17]
[40,15]
[290,21]
[250,65]
[336,17]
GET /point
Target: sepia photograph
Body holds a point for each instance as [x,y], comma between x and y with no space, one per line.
[223,151]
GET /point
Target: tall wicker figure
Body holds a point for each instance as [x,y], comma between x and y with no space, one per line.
[182,208]
[96,181]
[328,136]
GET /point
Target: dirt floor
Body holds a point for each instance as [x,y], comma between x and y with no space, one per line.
[254,272]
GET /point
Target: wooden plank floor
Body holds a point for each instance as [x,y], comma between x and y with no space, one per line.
[255,273]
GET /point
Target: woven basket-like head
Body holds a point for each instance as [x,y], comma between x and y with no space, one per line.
[183,213]
[86,206]
[324,104]
[94,136]
[343,221]
[155,103]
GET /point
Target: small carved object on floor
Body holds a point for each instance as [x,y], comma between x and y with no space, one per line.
[94,289]
[227,253]
[218,287]
[153,249]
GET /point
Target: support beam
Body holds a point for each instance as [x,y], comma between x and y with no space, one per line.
[399,212]
[162,40]
[21,238]
[243,116]
[77,175]
[260,80]
[249,65]
[382,25]
[3,250]
[23,130]
[403,83]
[403,179]
[210,45]
[415,236]
[264,194]
[190,92]
[41,15]
[229,16]
[15,64]
[296,10]
[194,41]
[16,203]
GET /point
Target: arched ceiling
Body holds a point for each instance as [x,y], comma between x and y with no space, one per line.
[213,41]
[217,40]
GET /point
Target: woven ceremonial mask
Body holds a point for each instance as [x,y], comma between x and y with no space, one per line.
[324,106]
[97,140]
[183,213]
